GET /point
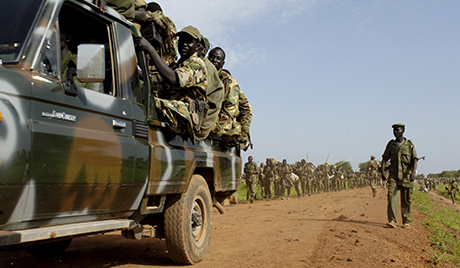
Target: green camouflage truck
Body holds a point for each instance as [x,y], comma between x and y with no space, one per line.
[88,156]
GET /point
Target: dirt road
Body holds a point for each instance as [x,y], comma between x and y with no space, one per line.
[338,229]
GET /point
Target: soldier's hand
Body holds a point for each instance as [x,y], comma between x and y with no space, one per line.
[142,42]
[100,4]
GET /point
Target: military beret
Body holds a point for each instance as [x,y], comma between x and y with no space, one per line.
[192,31]
[397,125]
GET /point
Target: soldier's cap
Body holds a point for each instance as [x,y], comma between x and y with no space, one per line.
[192,31]
[397,125]
[372,157]
[205,42]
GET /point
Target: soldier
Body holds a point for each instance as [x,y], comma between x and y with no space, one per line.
[403,167]
[183,111]
[299,185]
[373,172]
[167,30]
[453,189]
[283,172]
[262,179]
[270,174]
[250,172]
[235,116]
[214,92]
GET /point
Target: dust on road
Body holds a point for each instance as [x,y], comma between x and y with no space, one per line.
[337,229]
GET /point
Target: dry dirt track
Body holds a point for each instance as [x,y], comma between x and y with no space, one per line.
[338,229]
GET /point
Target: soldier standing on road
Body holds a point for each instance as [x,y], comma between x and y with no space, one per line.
[250,172]
[284,171]
[262,179]
[299,185]
[402,170]
[270,174]
[373,172]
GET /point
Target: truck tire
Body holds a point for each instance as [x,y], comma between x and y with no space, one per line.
[188,223]
[49,249]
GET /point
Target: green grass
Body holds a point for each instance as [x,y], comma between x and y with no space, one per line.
[444,226]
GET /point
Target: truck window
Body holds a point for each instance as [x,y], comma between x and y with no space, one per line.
[79,27]
[49,60]
[129,76]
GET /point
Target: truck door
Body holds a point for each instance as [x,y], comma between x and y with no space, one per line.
[83,149]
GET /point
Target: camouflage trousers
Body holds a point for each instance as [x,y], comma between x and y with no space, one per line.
[251,184]
[175,114]
[269,187]
[262,188]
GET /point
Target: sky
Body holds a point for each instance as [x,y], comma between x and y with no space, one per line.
[330,77]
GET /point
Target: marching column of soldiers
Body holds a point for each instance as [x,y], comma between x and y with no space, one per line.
[275,179]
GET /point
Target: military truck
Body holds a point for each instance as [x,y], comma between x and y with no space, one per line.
[86,153]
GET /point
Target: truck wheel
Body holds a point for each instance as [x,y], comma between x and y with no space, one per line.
[48,249]
[188,223]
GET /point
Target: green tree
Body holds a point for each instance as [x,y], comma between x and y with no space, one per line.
[344,165]
[363,166]
[446,174]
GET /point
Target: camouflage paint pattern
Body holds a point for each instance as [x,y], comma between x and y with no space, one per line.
[176,111]
[66,159]
[234,120]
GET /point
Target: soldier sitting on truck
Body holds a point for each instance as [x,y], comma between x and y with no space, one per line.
[214,92]
[164,27]
[183,111]
[235,116]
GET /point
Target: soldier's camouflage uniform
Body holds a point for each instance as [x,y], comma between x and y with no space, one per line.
[300,184]
[167,50]
[270,174]
[215,95]
[250,173]
[124,7]
[453,190]
[262,179]
[373,172]
[176,111]
[167,29]
[235,116]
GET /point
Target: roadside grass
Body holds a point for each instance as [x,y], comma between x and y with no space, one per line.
[444,225]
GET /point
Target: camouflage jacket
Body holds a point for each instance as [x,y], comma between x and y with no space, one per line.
[373,167]
[167,30]
[215,95]
[250,169]
[193,80]
[270,172]
[235,116]
[124,7]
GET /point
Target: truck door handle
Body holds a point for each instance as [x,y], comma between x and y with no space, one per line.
[118,124]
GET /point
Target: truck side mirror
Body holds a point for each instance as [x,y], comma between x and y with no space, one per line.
[91,63]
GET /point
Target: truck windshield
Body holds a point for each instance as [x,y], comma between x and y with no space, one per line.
[16,20]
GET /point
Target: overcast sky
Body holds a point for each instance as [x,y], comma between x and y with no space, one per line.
[332,76]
